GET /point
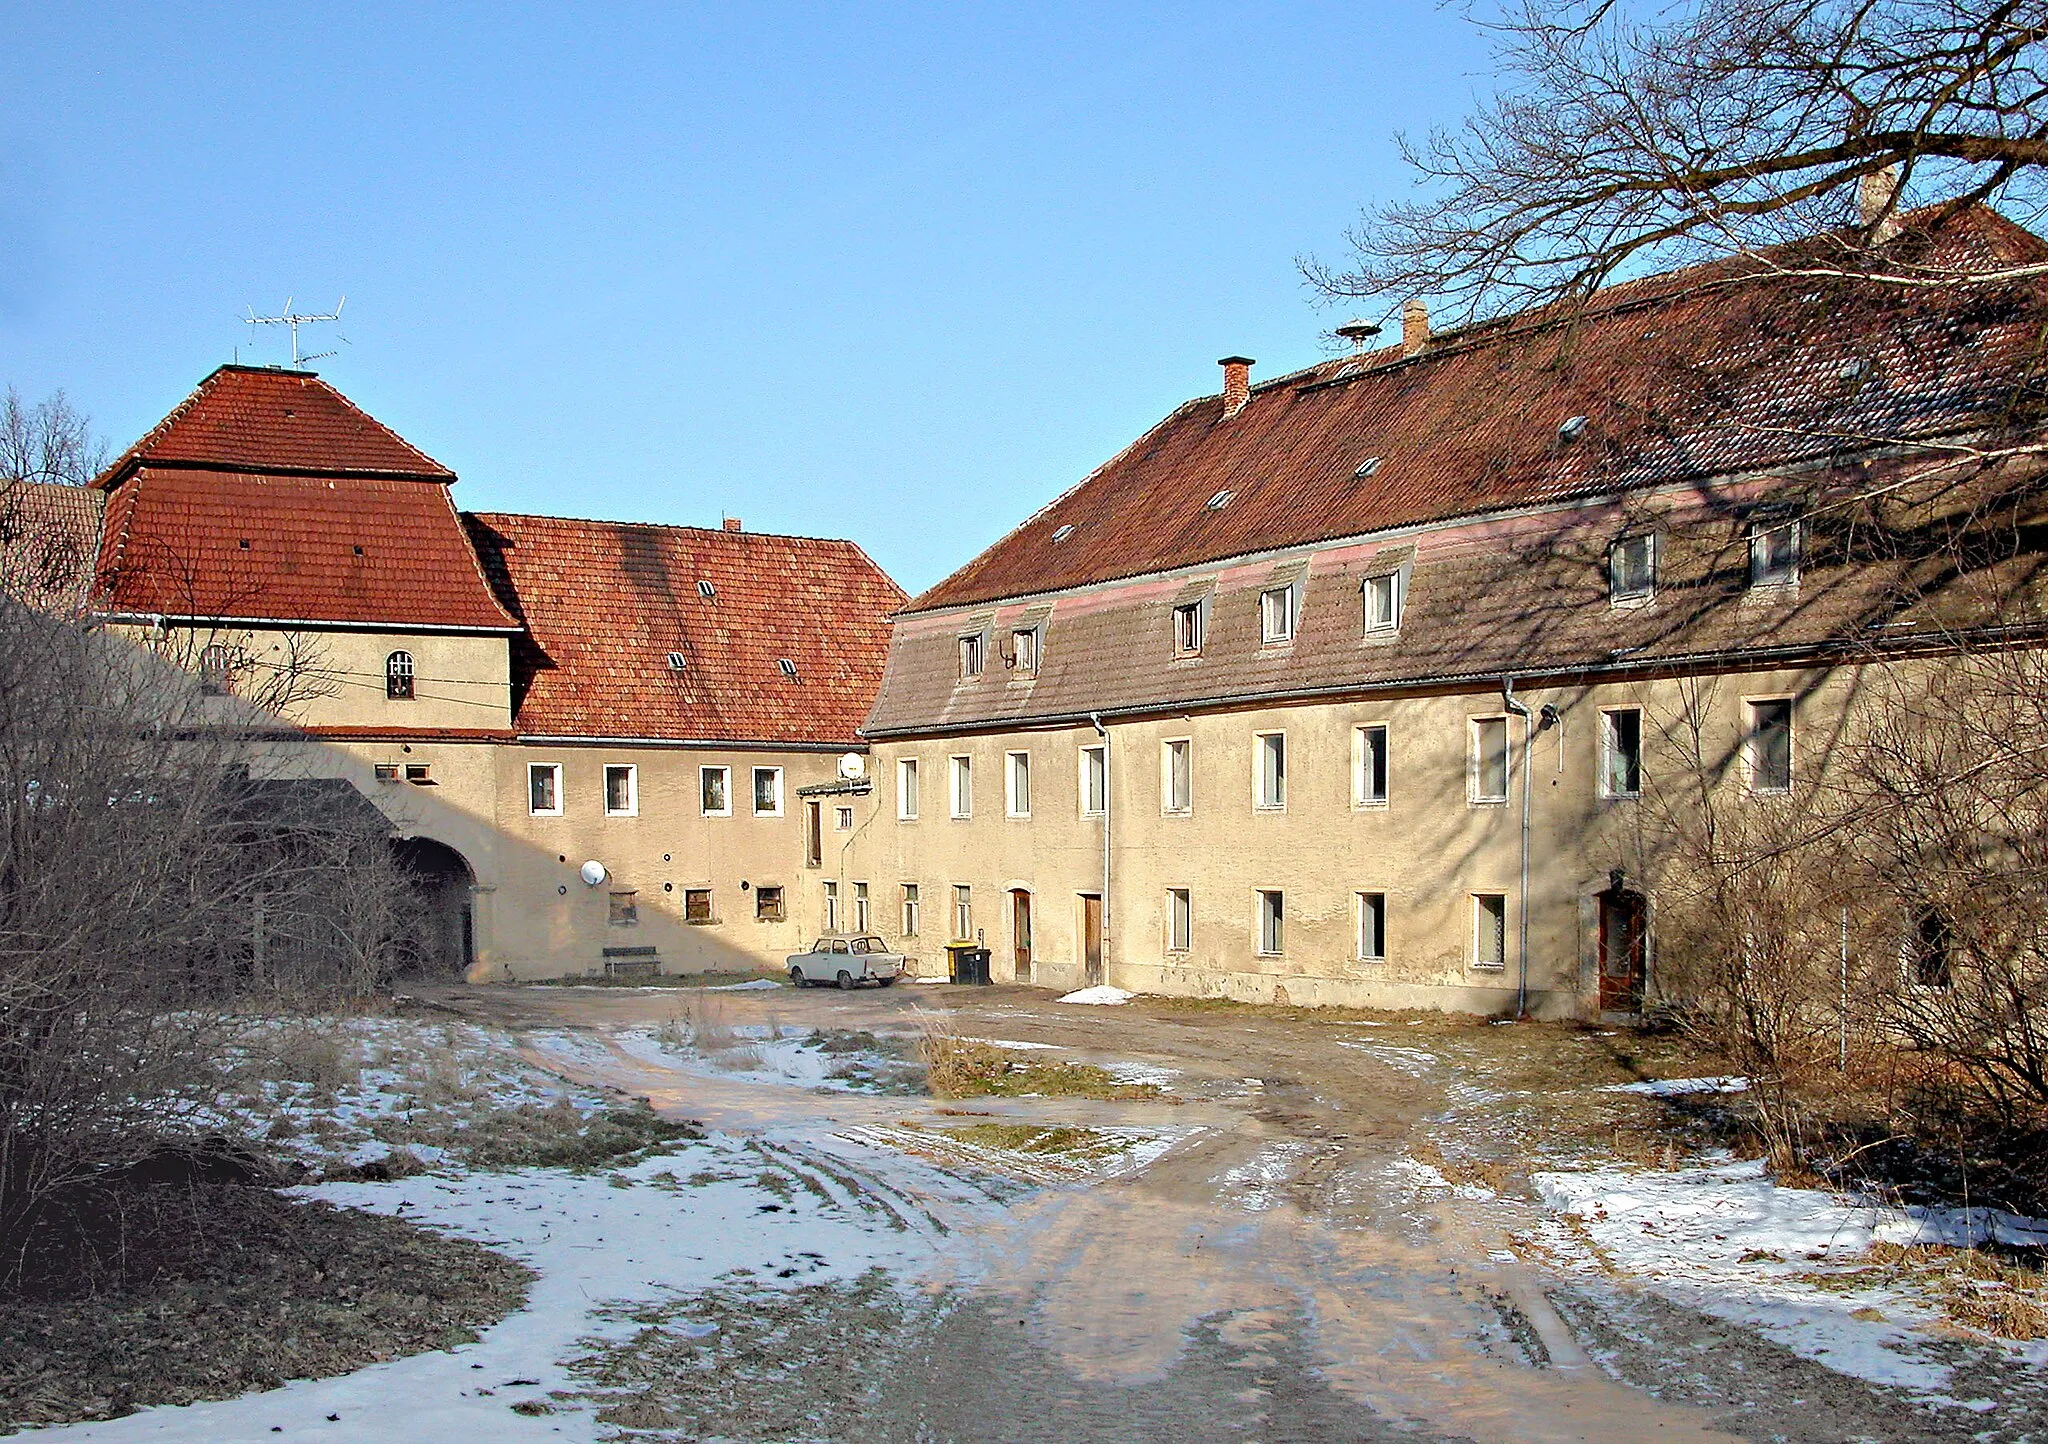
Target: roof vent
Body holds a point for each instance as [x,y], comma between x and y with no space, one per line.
[1220,500]
[788,668]
[1572,429]
[677,661]
[1367,467]
[706,590]
[1358,333]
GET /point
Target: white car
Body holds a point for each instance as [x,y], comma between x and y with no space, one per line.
[846,960]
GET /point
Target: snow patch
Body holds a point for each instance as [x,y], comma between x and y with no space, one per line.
[1102,993]
[1680,1087]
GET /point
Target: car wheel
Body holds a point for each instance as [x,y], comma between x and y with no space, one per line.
[796,978]
[845,981]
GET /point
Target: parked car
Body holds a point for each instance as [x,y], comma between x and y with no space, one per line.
[848,960]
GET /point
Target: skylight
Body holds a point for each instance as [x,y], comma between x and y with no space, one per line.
[1571,428]
[677,661]
[1367,467]
[788,667]
[1220,500]
[1060,534]
[706,590]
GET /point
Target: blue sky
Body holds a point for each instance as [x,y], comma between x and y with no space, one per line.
[901,274]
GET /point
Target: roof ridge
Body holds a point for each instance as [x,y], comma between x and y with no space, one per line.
[717,531]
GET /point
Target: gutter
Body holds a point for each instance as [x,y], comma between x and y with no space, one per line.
[1521,710]
[415,629]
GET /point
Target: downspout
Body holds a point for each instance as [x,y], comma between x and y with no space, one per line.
[1095,721]
[1514,705]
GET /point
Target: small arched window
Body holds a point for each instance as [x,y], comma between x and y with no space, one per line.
[398,676]
[216,668]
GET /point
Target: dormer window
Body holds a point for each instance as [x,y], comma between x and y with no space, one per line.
[973,653]
[1024,650]
[1276,614]
[1632,569]
[1383,597]
[1774,552]
[398,677]
[1190,626]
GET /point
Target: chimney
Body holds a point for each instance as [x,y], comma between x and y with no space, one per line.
[1414,326]
[1237,383]
[1877,192]
[732,523]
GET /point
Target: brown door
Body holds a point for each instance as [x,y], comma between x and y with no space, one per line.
[1624,951]
[814,833]
[1091,935]
[1020,931]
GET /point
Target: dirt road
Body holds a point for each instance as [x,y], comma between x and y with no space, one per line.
[1272,1274]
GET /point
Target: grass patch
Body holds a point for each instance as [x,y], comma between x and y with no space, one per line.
[1044,1142]
[562,1137]
[1973,1287]
[957,1067]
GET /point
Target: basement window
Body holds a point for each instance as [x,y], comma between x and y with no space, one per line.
[419,774]
[389,772]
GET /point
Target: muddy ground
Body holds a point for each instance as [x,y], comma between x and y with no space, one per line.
[1273,1275]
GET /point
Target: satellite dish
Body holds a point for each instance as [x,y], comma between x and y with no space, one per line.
[592,872]
[853,767]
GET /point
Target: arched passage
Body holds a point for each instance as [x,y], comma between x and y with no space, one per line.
[437,936]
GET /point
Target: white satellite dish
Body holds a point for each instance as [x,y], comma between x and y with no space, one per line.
[592,872]
[853,767]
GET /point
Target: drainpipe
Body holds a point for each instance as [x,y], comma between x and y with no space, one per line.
[1509,701]
[1095,721]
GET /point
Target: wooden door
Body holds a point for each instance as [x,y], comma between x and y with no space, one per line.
[1091,935]
[1020,931]
[1624,951]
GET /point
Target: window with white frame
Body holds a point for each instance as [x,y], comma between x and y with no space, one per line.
[1632,568]
[1372,926]
[767,792]
[1489,930]
[1017,784]
[544,789]
[963,786]
[910,909]
[1180,920]
[860,907]
[1769,745]
[1489,765]
[842,819]
[1190,626]
[1272,923]
[973,653]
[1774,551]
[1276,614]
[906,788]
[1094,781]
[1024,650]
[1177,776]
[216,668]
[1383,596]
[714,791]
[1369,765]
[621,790]
[831,907]
[1621,752]
[1269,771]
[963,911]
[398,677]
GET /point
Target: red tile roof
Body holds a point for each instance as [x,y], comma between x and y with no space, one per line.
[255,418]
[606,602]
[1695,374]
[49,543]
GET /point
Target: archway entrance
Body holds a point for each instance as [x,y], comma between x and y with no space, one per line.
[437,929]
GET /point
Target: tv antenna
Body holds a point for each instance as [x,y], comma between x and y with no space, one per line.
[292,320]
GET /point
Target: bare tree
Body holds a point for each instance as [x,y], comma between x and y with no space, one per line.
[51,441]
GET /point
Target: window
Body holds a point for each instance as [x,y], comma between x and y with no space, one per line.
[420,774]
[398,676]
[1372,927]
[1017,784]
[861,921]
[1024,650]
[963,911]
[1383,596]
[1774,552]
[389,772]
[1621,752]
[842,819]
[697,905]
[216,668]
[831,907]
[1190,626]
[963,787]
[1489,930]
[814,833]
[768,904]
[621,790]
[544,789]
[1632,568]
[714,791]
[1770,745]
[906,788]
[1276,614]
[1269,771]
[767,792]
[706,590]
[1272,914]
[1094,781]
[1180,920]
[625,910]
[1369,765]
[972,650]
[1489,781]
[786,666]
[1927,952]
[1177,776]
[910,909]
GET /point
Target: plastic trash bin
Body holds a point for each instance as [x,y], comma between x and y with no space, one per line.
[966,963]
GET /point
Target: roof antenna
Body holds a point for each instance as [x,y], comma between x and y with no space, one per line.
[295,319]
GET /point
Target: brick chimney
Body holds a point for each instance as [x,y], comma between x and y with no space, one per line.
[732,523]
[1414,326]
[1876,192]
[1237,383]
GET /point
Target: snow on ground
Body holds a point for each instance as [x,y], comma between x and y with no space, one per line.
[1256,1184]
[1680,1087]
[1102,993]
[1422,1178]
[754,985]
[1015,1043]
[1415,1062]
[764,1053]
[1726,1240]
